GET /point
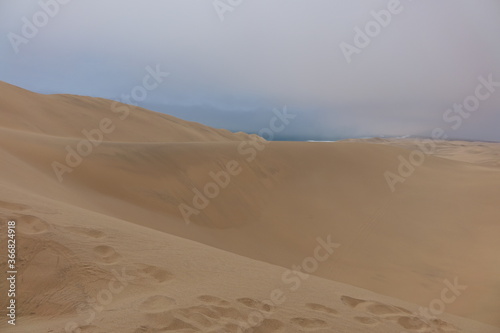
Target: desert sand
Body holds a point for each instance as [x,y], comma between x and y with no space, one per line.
[115,243]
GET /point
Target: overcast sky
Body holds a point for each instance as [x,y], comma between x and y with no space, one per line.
[268,54]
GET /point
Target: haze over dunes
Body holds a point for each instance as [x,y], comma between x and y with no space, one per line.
[129,239]
[67,115]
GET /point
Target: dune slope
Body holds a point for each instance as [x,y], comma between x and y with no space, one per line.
[267,205]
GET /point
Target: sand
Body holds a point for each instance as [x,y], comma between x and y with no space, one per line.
[105,247]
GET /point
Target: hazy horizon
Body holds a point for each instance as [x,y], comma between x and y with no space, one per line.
[229,68]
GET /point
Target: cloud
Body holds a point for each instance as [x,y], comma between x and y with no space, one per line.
[268,54]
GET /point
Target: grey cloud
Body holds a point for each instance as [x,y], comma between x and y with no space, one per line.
[268,54]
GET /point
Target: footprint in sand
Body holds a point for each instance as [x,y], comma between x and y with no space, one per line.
[106,254]
[152,274]
[321,308]
[309,323]
[412,323]
[198,319]
[351,301]
[380,309]
[212,315]
[443,325]
[227,312]
[89,329]
[144,329]
[227,328]
[175,326]
[178,325]
[192,319]
[156,304]
[255,304]
[213,300]
[402,316]
[268,326]
[194,311]
[28,224]
[207,316]
[376,308]
[88,232]
[369,321]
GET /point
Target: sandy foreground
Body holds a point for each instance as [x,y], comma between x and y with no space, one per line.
[171,226]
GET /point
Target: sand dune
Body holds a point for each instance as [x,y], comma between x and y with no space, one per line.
[68,115]
[84,270]
[119,209]
[483,153]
